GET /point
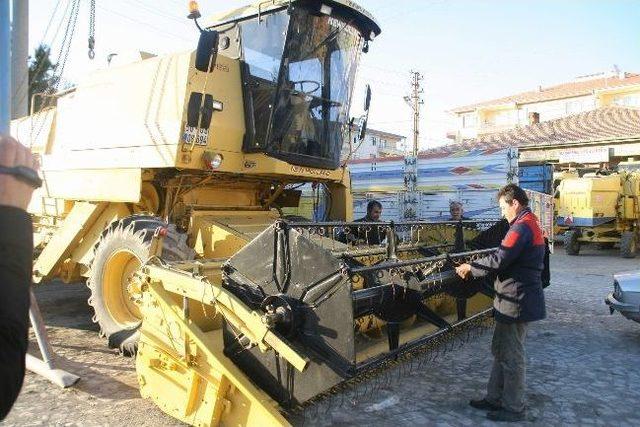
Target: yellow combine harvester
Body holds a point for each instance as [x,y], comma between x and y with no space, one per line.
[165,182]
[602,209]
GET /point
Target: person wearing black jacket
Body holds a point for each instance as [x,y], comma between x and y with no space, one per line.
[369,234]
[16,252]
[518,265]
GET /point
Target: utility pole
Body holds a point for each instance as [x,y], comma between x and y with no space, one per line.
[19,58]
[410,197]
[5,66]
[415,101]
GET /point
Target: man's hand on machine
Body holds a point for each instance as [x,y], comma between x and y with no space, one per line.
[18,173]
[464,270]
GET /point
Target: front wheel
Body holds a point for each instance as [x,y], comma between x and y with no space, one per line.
[571,242]
[122,249]
[628,244]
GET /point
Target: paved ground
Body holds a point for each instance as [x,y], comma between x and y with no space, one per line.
[583,367]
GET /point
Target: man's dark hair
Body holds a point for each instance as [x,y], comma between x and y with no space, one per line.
[512,192]
[373,204]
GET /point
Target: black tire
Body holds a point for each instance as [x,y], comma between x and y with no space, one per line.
[628,244]
[121,249]
[571,243]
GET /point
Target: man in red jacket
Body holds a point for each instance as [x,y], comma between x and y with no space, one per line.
[518,300]
[16,253]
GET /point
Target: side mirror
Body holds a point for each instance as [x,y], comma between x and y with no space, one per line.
[207,51]
[362,127]
[367,98]
[362,122]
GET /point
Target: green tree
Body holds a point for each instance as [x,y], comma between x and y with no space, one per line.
[42,76]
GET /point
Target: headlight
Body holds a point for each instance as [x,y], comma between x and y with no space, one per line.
[212,160]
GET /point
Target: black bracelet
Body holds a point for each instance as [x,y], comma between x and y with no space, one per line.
[24,174]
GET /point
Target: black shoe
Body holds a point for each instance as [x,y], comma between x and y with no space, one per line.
[484,405]
[507,416]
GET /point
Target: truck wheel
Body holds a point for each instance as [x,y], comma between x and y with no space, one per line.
[121,250]
[571,243]
[628,244]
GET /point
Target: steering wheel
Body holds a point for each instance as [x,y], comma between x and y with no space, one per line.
[302,83]
[315,100]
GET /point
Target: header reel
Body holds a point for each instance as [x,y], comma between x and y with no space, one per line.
[332,296]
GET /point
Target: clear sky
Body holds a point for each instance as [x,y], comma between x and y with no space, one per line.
[468,50]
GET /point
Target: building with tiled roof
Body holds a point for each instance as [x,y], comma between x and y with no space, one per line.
[585,93]
[604,135]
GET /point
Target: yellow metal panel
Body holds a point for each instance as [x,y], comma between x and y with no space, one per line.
[223,395]
[248,321]
[227,127]
[133,106]
[115,185]
[221,234]
[81,216]
[35,131]
[214,241]
[82,253]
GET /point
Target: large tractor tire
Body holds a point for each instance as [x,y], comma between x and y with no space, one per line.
[122,249]
[571,243]
[628,244]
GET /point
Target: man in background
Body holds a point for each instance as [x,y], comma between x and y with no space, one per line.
[16,253]
[371,234]
[456,210]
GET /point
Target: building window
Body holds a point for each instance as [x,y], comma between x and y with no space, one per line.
[523,116]
[373,141]
[573,107]
[469,120]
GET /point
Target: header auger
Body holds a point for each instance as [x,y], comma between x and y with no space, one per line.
[298,314]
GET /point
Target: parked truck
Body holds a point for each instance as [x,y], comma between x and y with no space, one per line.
[536,177]
[471,177]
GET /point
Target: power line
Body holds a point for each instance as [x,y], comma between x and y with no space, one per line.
[25,78]
[53,14]
[162,31]
[162,14]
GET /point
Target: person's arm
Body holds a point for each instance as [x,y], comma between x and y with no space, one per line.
[16,252]
[509,249]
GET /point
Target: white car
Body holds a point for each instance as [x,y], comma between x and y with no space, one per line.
[625,297]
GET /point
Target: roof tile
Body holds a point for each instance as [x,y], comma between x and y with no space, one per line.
[602,123]
[565,90]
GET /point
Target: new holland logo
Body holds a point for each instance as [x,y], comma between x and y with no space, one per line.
[309,171]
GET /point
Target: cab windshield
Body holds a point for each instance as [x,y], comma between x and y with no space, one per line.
[300,76]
